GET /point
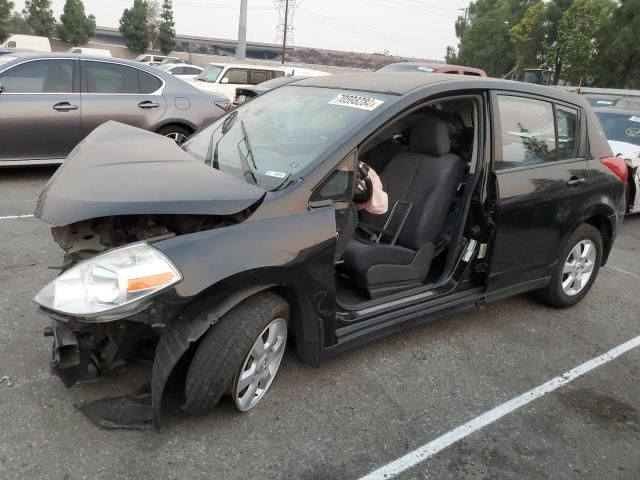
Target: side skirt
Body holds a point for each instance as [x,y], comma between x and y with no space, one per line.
[375,327]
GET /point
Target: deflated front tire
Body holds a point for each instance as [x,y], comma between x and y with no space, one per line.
[239,355]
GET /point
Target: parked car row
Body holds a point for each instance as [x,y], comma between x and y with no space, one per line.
[59,99]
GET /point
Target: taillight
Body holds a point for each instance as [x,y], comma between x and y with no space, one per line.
[618,166]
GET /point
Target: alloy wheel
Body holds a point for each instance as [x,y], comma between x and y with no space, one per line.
[260,366]
[177,137]
[578,267]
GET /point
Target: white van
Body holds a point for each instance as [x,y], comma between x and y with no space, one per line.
[154,59]
[28,42]
[224,78]
[100,52]
[296,71]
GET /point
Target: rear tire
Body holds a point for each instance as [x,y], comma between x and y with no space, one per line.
[576,268]
[177,133]
[223,353]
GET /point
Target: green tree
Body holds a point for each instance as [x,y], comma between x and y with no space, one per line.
[75,27]
[167,32]
[5,15]
[39,16]
[529,36]
[555,11]
[134,26]
[580,36]
[484,39]
[18,24]
[619,59]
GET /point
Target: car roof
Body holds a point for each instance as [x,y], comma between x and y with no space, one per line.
[165,66]
[401,83]
[246,65]
[84,56]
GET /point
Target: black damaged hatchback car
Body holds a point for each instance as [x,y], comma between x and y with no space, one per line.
[218,254]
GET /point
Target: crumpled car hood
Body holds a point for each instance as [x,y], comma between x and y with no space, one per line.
[123,170]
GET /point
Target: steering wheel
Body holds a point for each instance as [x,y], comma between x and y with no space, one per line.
[364,187]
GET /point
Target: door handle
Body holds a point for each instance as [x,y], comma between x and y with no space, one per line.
[575,181]
[148,104]
[64,107]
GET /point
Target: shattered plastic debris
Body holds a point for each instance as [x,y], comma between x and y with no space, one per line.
[6,379]
[132,412]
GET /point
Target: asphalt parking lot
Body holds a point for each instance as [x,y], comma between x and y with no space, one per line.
[355,413]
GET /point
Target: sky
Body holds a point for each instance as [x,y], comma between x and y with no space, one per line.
[411,28]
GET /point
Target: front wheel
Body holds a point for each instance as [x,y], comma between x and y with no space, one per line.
[576,268]
[240,355]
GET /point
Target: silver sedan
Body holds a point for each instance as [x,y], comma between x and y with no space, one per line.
[50,102]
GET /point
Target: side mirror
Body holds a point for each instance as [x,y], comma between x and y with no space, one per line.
[224,80]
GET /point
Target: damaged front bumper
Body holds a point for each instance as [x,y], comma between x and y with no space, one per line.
[82,351]
[68,360]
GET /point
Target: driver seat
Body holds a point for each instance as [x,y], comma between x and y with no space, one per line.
[427,176]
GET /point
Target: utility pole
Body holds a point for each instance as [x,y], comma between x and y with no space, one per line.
[241,49]
[286,26]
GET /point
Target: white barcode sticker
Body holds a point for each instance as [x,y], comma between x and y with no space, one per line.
[471,248]
[357,101]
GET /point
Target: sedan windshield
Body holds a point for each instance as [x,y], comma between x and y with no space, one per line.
[271,139]
[210,74]
[621,127]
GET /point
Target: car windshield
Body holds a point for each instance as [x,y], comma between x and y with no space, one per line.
[621,127]
[273,138]
[210,74]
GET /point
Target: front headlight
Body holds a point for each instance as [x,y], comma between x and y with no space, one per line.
[110,285]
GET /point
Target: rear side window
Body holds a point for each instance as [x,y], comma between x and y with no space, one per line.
[527,132]
[238,76]
[257,76]
[568,137]
[189,71]
[39,76]
[113,78]
[148,82]
[102,77]
[277,74]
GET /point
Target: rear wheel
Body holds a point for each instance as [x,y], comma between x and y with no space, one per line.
[240,355]
[576,268]
[177,133]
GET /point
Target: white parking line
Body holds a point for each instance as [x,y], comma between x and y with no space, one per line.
[623,271]
[423,453]
[11,217]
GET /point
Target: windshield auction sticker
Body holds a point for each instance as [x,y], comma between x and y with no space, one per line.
[356,101]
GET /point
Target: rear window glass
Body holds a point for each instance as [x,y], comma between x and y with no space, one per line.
[237,76]
[148,83]
[621,127]
[103,77]
[257,76]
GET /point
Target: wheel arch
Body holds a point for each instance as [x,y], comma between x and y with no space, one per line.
[603,223]
[184,333]
[175,123]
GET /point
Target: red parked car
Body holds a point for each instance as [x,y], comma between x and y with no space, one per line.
[432,68]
